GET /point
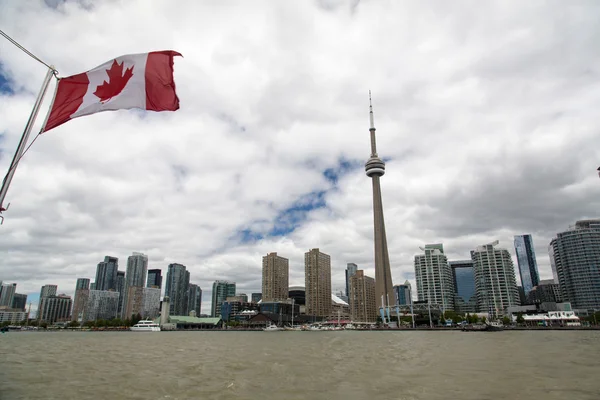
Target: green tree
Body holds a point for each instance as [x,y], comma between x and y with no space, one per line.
[135,318]
[90,324]
[43,325]
[506,320]
[73,324]
[520,319]
[483,319]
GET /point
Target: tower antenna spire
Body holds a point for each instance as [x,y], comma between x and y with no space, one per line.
[372,127]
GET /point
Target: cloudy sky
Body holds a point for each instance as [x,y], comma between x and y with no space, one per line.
[486,113]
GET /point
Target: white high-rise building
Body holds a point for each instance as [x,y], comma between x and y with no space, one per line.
[575,261]
[495,282]
[434,277]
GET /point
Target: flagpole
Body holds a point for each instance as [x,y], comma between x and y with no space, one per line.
[24,139]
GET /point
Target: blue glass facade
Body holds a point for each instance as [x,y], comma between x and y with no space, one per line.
[403,295]
[528,270]
[463,275]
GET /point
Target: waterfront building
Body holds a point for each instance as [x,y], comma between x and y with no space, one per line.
[19,302]
[121,288]
[298,295]
[137,266]
[79,304]
[351,269]
[46,291]
[151,303]
[232,309]
[143,301]
[375,169]
[495,281]
[527,263]
[82,291]
[434,277]
[340,308]
[463,278]
[194,299]
[106,274]
[13,317]
[275,277]
[363,305]
[221,290]
[547,291]
[7,292]
[177,288]
[256,297]
[317,277]
[575,260]
[154,278]
[101,304]
[403,294]
[55,308]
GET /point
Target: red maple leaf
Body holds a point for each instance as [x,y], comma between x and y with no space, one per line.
[116,82]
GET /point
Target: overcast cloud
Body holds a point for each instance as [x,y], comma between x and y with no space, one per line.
[486,112]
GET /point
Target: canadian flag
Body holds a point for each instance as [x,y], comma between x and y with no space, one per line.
[131,81]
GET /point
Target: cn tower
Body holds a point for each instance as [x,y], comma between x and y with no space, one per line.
[374,169]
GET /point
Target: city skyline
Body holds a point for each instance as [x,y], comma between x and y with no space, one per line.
[468,161]
[207,307]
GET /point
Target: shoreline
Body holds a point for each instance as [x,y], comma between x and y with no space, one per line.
[422,329]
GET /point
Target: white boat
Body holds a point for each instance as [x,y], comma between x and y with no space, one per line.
[145,325]
[293,328]
[272,328]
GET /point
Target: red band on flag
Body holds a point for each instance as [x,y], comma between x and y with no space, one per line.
[69,97]
[160,85]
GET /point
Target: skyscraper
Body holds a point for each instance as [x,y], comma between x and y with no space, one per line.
[101,304]
[55,308]
[221,290]
[351,269]
[575,260]
[137,265]
[375,168]
[19,302]
[46,291]
[528,269]
[463,277]
[275,277]
[363,307]
[434,277]
[177,287]
[195,299]
[154,278]
[403,294]
[317,280]
[7,292]
[106,274]
[495,281]
[82,283]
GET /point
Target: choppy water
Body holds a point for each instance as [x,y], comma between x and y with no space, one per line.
[300,365]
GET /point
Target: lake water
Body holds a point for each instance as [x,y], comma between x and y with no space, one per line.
[300,365]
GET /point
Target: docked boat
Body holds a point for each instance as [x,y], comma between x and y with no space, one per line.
[273,328]
[491,327]
[145,325]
